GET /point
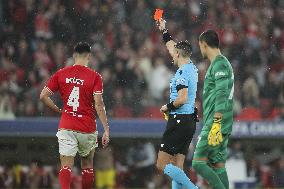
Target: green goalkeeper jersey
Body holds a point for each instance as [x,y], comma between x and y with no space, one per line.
[218,94]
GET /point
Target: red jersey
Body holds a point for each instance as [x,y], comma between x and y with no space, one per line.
[77,85]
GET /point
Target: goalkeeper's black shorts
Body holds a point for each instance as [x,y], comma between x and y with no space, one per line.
[178,134]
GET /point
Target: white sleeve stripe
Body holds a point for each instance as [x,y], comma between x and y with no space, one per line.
[49,90]
[98,93]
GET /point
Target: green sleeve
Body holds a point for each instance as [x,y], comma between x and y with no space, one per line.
[222,80]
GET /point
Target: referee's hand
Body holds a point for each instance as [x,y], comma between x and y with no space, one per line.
[164,109]
[161,24]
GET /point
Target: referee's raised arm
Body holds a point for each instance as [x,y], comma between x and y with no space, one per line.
[170,43]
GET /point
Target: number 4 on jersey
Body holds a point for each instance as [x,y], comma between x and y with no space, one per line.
[73,99]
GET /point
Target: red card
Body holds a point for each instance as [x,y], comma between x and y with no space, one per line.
[158,14]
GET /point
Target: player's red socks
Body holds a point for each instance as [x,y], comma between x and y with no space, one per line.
[65,177]
[87,178]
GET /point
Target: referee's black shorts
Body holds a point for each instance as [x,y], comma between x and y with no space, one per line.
[178,134]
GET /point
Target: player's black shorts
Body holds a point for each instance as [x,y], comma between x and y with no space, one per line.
[178,134]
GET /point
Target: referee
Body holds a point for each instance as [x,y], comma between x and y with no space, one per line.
[180,112]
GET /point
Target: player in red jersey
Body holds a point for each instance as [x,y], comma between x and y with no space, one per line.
[79,87]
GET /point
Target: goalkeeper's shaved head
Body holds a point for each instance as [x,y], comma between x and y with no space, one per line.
[208,40]
[211,38]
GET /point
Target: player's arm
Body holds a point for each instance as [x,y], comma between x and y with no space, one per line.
[182,88]
[101,111]
[45,98]
[100,107]
[222,80]
[182,98]
[222,95]
[51,87]
[170,43]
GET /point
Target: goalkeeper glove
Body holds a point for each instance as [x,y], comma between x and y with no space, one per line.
[215,135]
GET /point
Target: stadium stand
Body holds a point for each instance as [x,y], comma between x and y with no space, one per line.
[37,39]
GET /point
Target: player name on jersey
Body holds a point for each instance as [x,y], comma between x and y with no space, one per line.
[75,81]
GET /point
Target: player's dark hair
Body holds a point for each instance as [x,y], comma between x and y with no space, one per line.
[211,38]
[82,47]
[185,48]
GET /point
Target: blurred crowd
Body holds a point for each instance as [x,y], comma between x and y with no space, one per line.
[135,168]
[37,38]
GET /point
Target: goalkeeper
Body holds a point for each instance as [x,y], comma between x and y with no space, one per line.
[211,150]
[180,112]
